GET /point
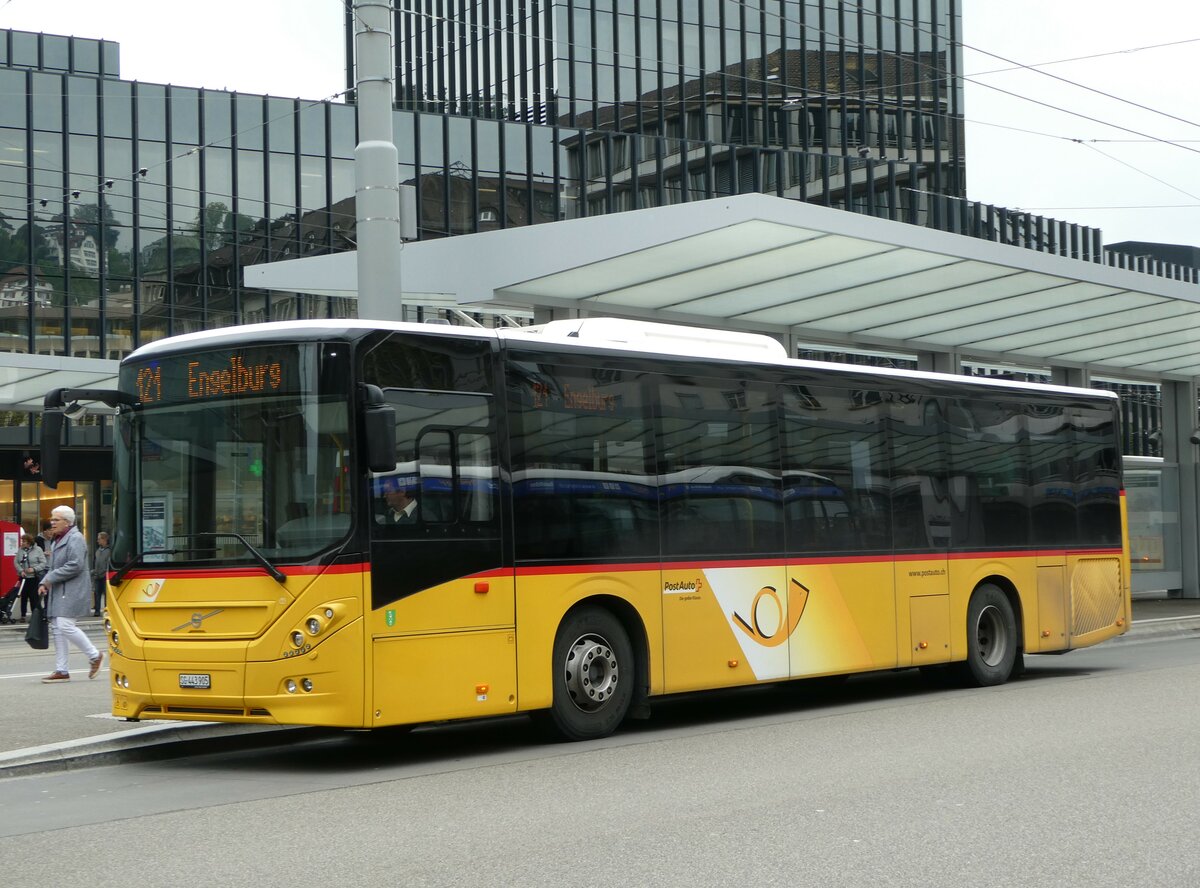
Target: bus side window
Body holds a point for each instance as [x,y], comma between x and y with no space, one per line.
[435,471]
[445,459]
[476,474]
[835,478]
[719,467]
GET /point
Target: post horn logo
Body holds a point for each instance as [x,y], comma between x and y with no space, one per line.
[767,625]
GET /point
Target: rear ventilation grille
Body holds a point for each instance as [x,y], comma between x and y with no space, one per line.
[1095,594]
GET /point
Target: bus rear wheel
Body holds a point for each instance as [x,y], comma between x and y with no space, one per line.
[593,675]
[992,643]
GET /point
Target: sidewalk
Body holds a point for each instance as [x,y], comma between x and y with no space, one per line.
[69,726]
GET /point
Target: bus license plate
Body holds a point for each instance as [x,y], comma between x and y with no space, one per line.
[195,680]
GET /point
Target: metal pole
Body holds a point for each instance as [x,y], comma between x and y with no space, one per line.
[376,165]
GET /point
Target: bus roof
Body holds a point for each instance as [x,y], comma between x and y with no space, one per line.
[607,334]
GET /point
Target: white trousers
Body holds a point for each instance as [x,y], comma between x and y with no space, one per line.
[65,633]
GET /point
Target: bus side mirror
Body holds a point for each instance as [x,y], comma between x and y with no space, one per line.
[379,425]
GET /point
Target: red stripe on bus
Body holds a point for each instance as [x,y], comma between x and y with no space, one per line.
[291,570]
[552,569]
[547,570]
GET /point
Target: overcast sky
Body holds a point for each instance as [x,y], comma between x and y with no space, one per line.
[1128,182]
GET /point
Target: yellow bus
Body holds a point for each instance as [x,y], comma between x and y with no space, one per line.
[375,524]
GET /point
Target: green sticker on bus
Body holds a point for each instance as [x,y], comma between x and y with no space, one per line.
[389,617]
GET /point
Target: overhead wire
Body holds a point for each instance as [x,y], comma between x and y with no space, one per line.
[1084,58]
[1141,171]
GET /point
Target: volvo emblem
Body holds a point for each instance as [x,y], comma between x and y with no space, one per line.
[197,619]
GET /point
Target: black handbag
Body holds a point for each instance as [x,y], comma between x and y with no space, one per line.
[37,634]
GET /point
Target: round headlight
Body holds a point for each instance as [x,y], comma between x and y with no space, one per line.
[290,685]
[306,683]
[298,638]
[116,639]
[125,682]
[107,625]
[329,613]
[314,625]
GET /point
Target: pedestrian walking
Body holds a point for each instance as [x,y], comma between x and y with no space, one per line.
[100,563]
[66,590]
[30,561]
[43,538]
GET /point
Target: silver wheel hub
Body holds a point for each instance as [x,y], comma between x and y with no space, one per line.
[591,672]
[991,636]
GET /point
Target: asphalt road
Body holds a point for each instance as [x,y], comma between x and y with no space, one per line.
[1082,773]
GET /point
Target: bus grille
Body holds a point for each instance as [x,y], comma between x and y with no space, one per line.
[1095,594]
[206,710]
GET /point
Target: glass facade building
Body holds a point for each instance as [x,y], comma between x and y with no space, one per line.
[853,105]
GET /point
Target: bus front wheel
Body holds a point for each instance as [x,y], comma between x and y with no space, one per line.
[593,675]
[992,644]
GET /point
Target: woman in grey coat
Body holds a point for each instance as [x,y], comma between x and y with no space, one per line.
[67,589]
[30,562]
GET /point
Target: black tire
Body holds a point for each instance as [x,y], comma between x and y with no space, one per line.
[594,675]
[992,642]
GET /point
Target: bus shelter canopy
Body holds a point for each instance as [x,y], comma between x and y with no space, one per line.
[770,264]
[25,379]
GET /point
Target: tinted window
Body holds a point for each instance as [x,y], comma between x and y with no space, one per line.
[921,512]
[1097,476]
[446,479]
[445,483]
[582,464]
[1051,476]
[439,363]
[988,474]
[835,470]
[719,468]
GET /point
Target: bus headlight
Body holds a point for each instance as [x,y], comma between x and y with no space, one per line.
[313,625]
[298,638]
[290,685]
[306,683]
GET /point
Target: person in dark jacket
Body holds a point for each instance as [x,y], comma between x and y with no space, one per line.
[42,540]
[100,563]
[67,589]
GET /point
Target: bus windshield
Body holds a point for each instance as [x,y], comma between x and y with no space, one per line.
[229,477]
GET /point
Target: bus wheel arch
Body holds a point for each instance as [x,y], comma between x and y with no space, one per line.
[598,669]
[993,634]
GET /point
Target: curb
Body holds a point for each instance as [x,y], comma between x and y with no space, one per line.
[1159,629]
[146,743]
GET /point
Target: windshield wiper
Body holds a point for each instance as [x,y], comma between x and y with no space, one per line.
[140,558]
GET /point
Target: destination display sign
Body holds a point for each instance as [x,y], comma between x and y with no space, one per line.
[214,375]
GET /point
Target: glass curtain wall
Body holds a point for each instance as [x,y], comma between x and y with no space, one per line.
[851,82]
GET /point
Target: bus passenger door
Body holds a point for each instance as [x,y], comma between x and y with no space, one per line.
[922,519]
[442,615]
